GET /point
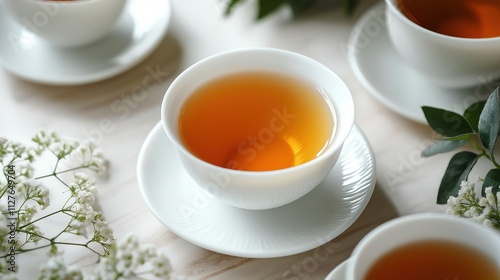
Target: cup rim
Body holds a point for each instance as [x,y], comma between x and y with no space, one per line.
[334,146]
[391,4]
[431,216]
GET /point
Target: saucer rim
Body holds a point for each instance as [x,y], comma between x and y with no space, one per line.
[422,91]
[370,186]
[108,72]
[353,61]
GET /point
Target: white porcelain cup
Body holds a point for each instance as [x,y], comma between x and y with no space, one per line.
[450,62]
[259,189]
[72,23]
[420,227]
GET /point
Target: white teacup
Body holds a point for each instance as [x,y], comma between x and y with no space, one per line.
[259,189]
[420,227]
[72,23]
[451,62]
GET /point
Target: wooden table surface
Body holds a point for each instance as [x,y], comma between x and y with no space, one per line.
[406,183]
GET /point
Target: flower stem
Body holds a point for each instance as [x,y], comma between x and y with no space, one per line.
[41,218]
[54,173]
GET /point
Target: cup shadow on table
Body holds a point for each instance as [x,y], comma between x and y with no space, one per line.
[313,264]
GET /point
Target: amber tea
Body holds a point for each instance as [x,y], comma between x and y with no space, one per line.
[256,121]
[458,18]
[434,260]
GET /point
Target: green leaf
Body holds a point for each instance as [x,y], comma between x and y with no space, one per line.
[231,5]
[442,146]
[489,123]
[472,114]
[492,179]
[445,122]
[298,6]
[461,137]
[458,170]
[350,6]
[267,7]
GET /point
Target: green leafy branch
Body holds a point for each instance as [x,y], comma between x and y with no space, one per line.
[267,7]
[480,126]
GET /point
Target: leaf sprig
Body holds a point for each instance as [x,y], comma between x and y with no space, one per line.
[267,7]
[480,126]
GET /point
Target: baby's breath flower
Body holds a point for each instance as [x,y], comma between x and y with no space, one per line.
[44,140]
[469,204]
[11,152]
[34,190]
[83,189]
[55,268]
[160,264]
[83,180]
[33,233]
[85,197]
[83,217]
[3,148]
[90,156]
[63,147]
[103,233]
[24,171]
[26,214]
[5,273]
[127,259]
[3,219]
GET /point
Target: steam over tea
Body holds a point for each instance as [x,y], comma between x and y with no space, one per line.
[433,260]
[256,121]
[458,18]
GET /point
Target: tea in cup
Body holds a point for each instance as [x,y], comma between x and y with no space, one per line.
[456,44]
[427,246]
[72,23]
[258,128]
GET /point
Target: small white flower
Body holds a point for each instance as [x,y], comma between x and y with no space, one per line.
[103,232]
[27,213]
[491,198]
[55,268]
[45,139]
[453,202]
[24,171]
[3,220]
[161,267]
[465,189]
[34,234]
[83,217]
[85,197]
[128,257]
[34,190]
[63,147]
[89,155]
[464,184]
[5,273]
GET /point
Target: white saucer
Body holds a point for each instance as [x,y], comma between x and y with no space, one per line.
[339,273]
[383,73]
[138,32]
[327,211]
